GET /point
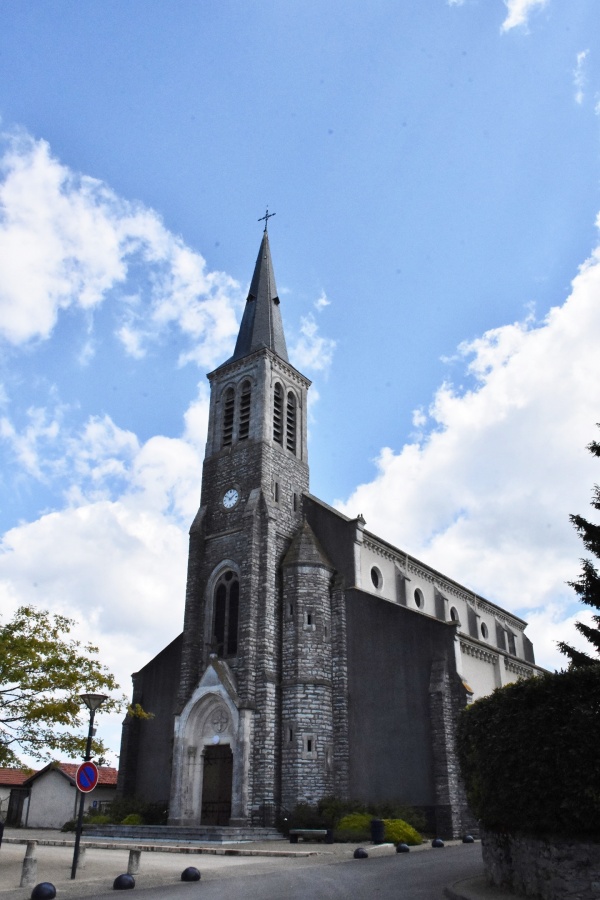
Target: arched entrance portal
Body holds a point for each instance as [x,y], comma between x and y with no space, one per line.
[217,775]
[210,754]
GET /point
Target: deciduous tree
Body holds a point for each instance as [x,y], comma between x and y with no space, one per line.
[42,673]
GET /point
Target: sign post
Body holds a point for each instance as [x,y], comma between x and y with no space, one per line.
[87,773]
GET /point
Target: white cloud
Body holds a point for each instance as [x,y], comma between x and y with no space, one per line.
[68,241]
[519,12]
[312,350]
[486,493]
[579,79]
[115,558]
[322,302]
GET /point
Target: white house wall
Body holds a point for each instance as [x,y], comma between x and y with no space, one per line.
[54,801]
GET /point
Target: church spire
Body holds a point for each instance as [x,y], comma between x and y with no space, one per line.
[261,323]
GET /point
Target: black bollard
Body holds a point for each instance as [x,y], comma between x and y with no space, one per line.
[468,839]
[402,848]
[124,883]
[360,853]
[43,891]
[437,842]
[190,874]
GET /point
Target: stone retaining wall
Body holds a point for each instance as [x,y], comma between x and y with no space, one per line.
[545,868]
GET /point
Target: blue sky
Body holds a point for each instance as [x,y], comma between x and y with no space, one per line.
[434,169]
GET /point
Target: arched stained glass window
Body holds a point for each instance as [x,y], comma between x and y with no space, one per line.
[226,615]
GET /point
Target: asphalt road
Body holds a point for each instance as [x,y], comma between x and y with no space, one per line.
[410,876]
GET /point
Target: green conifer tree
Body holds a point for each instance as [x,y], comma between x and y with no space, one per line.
[587,585]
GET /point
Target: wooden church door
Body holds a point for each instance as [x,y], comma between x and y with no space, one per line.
[216,785]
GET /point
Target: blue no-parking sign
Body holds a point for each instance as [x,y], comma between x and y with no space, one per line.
[87,777]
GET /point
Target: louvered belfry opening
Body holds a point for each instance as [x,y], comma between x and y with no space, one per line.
[278,414]
[245,402]
[228,411]
[290,433]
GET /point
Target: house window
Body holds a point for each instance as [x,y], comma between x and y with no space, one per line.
[484,631]
[226,614]
[419,599]
[228,411]
[245,402]
[453,614]
[278,414]
[290,435]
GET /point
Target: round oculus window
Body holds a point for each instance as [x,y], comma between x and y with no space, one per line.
[376,577]
[419,599]
[484,631]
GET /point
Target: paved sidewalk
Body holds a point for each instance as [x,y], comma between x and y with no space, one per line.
[477,889]
[162,864]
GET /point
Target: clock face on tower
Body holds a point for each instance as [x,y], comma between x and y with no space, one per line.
[230,498]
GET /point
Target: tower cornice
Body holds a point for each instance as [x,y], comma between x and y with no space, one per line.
[240,365]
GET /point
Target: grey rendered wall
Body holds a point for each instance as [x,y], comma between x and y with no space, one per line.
[390,654]
[156,689]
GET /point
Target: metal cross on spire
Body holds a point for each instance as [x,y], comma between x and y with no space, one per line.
[266,217]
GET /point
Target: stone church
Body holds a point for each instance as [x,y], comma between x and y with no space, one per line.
[316,659]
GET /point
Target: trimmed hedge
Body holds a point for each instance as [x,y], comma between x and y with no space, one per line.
[530,755]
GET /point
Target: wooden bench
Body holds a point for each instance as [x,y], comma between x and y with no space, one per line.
[311,834]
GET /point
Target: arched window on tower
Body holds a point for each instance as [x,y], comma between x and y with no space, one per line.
[278,414]
[226,614]
[245,402]
[228,411]
[290,432]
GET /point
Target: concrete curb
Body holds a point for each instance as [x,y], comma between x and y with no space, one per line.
[476,889]
[169,848]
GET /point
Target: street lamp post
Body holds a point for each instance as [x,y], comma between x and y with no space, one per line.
[92,701]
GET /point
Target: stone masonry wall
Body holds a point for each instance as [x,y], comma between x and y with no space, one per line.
[306,710]
[544,868]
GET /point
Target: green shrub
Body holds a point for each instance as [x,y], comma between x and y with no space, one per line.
[71,825]
[133,819]
[356,821]
[397,831]
[529,755]
[151,813]
[97,820]
[357,827]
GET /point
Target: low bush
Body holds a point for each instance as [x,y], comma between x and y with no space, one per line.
[357,827]
[97,820]
[397,831]
[133,819]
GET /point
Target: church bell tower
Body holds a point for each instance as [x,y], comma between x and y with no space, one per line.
[227,749]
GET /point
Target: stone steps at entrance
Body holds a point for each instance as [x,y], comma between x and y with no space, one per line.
[180,835]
